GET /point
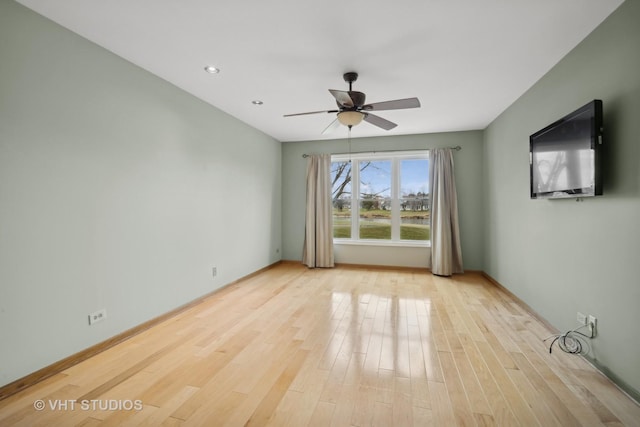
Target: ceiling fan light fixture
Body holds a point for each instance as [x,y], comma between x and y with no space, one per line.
[350,118]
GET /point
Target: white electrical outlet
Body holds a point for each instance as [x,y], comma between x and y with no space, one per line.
[97,316]
[581,318]
[214,271]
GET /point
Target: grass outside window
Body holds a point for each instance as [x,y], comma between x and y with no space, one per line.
[372,228]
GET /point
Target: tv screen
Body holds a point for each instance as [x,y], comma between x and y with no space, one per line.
[564,157]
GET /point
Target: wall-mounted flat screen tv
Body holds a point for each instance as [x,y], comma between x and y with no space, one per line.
[565,157]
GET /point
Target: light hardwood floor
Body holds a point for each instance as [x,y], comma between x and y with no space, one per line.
[341,347]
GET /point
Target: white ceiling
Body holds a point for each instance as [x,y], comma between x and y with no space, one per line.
[466,60]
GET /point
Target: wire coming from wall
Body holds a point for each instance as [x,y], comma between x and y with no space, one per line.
[572,342]
[456,148]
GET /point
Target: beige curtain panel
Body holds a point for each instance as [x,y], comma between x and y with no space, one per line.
[318,239]
[446,252]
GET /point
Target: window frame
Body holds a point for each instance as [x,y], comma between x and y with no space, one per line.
[395,157]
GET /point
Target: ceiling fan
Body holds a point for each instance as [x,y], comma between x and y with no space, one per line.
[352,108]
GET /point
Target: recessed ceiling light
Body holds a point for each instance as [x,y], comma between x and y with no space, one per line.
[257,102]
[211,69]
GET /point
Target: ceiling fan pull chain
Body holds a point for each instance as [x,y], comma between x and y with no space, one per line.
[349,142]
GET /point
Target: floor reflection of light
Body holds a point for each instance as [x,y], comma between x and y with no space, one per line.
[380,332]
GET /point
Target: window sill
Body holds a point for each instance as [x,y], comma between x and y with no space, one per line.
[404,244]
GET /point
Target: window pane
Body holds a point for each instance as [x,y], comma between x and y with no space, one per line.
[414,199]
[375,199]
[341,195]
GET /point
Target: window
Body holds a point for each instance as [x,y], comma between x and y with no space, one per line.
[381,197]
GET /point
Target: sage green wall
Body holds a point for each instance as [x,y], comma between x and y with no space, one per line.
[563,256]
[117,191]
[468,171]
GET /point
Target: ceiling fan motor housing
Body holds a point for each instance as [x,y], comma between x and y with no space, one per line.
[357,98]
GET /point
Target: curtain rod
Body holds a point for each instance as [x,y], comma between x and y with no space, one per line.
[456,148]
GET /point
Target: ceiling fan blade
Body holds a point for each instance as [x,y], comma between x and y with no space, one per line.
[396,104]
[379,121]
[342,97]
[311,112]
[332,126]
